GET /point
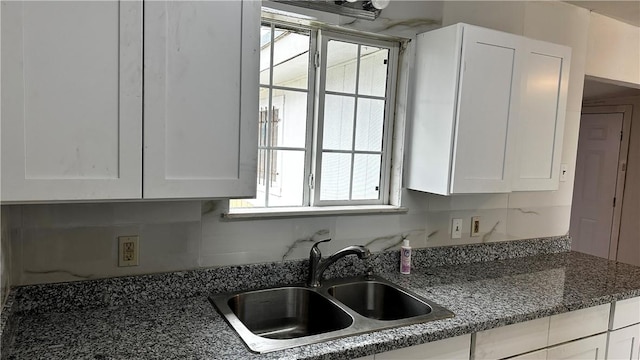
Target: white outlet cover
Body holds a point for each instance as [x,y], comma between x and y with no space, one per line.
[456,228]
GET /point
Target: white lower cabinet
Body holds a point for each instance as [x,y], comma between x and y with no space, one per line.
[453,348]
[536,355]
[604,332]
[624,343]
[625,313]
[578,324]
[458,348]
[511,340]
[532,339]
[591,348]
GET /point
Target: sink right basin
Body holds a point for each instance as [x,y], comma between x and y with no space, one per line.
[377,300]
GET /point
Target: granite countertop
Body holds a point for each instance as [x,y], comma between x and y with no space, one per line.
[483,295]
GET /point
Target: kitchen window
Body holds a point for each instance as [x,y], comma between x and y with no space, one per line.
[325,119]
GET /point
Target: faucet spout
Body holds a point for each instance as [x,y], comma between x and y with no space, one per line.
[317,265]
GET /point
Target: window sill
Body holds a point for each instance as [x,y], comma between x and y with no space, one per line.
[290,212]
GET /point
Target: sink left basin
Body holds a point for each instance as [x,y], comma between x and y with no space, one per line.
[284,317]
[288,313]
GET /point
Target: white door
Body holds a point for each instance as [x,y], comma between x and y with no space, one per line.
[201,98]
[595,183]
[487,108]
[71,100]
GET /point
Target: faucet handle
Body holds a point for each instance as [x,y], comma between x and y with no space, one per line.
[315,245]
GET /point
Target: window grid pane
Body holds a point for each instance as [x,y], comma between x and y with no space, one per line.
[363,122]
[282,117]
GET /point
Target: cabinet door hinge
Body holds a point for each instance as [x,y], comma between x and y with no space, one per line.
[614,202]
[310,181]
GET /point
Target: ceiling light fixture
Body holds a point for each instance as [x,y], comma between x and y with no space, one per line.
[361,9]
[379,4]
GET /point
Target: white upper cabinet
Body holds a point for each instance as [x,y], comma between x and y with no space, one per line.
[71,100]
[201,98]
[478,94]
[542,114]
[486,111]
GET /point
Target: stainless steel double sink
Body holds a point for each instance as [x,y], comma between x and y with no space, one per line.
[285,317]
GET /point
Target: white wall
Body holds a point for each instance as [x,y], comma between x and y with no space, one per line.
[71,242]
[613,51]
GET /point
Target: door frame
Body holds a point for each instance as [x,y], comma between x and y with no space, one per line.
[626,111]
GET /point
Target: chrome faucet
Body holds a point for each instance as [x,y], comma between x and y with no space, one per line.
[317,265]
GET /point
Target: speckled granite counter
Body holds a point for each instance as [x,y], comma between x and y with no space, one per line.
[483,295]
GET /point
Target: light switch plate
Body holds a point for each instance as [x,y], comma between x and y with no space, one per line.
[456,228]
[563,172]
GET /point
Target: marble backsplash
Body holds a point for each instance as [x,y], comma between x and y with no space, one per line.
[70,242]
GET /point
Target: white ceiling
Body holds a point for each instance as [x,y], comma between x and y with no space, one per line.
[627,11]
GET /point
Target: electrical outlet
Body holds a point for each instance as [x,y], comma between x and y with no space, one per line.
[456,228]
[128,250]
[475,226]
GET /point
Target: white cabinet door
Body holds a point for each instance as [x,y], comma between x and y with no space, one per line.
[201,98]
[434,110]
[625,313]
[624,344]
[458,348]
[591,348]
[536,355]
[579,323]
[464,119]
[541,126]
[487,111]
[71,100]
[511,340]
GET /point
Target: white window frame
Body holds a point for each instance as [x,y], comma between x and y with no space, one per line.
[316,93]
[387,135]
[311,80]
